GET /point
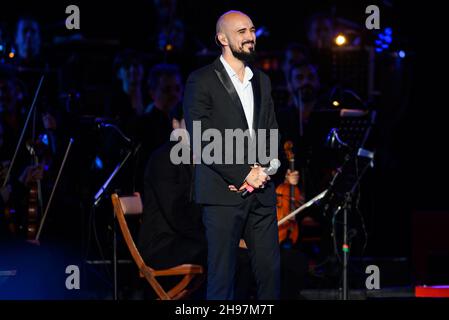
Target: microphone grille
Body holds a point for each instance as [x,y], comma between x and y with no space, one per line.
[275,163]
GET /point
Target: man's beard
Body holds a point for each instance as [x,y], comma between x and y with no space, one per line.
[246,57]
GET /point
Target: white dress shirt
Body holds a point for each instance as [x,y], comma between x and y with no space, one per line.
[244,90]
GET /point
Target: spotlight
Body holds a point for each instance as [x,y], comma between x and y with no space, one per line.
[401,54]
[340,40]
[335,103]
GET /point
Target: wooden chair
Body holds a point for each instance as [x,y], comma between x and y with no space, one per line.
[193,275]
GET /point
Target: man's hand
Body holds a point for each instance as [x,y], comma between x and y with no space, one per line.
[234,189]
[32,174]
[257,177]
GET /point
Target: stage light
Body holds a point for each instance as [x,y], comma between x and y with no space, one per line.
[335,103]
[11,55]
[44,139]
[384,40]
[98,163]
[340,40]
[401,54]
[169,47]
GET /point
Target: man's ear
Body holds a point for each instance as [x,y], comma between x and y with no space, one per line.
[221,39]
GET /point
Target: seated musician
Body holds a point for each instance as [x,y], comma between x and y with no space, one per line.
[171,232]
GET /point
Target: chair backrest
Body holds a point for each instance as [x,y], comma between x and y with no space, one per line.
[126,206]
[132,205]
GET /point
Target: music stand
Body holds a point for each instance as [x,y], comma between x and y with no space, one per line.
[348,133]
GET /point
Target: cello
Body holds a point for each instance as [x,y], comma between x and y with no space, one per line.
[288,199]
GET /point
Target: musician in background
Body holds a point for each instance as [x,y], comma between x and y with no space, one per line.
[172,232]
[307,96]
[29,62]
[13,194]
[127,100]
[125,110]
[47,145]
[294,53]
[28,41]
[165,87]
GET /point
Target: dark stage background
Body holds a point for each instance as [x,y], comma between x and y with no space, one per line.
[403,198]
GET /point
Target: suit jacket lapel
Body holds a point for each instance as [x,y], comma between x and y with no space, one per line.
[255,83]
[229,86]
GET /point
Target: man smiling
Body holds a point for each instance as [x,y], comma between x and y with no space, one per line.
[230,94]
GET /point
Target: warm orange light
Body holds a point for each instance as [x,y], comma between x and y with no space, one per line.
[340,40]
[11,55]
[335,103]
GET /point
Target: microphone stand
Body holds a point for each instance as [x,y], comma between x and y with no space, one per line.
[100,195]
[346,206]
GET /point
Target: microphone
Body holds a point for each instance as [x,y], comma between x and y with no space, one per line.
[271,170]
[117,129]
[334,141]
[132,145]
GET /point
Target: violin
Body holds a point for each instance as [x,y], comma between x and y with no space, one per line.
[35,201]
[9,211]
[288,199]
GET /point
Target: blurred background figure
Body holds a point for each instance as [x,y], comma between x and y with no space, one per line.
[294,53]
[320,31]
[28,41]
[172,231]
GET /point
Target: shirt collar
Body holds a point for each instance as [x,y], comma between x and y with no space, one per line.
[232,73]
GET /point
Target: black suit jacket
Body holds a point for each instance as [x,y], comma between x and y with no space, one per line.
[210,97]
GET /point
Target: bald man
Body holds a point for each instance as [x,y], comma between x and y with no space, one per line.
[231,94]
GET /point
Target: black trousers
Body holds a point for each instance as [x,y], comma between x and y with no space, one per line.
[257,225]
